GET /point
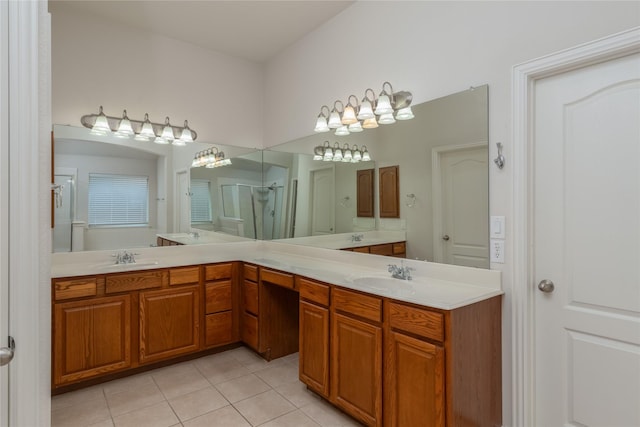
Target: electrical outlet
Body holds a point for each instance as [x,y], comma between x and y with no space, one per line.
[497,251]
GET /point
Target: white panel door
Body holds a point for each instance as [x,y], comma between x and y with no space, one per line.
[183,209]
[461,209]
[323,201]
[587,242]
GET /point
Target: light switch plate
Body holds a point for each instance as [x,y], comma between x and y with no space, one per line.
[497,227]
[497,251]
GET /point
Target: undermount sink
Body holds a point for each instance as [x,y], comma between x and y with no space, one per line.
[129,266]
[384,284]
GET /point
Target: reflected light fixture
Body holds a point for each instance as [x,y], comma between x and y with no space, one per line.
[345,154]
[388,107]
[140,130]
[210,158]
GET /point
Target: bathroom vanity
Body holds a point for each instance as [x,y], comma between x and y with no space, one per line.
[384,350]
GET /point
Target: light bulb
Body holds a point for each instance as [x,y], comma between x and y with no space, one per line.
[384,105]
[370,123]
[101,126]
[404,114]
[349,115]
[386,119]
[124,129]
[146,133]
[365,110]
[365,154]
[334,120]
[342,131]
[355,127]
[167,132]
[186,136]
[160,140]
[321,124]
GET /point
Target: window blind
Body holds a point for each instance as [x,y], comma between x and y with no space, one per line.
[118,200]
[201,201]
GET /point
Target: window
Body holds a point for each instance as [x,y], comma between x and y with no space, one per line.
[118,200]
[200,201]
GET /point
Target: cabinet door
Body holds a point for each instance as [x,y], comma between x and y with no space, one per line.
[314,347]
[389,192]
[356,368]
[91,338]
[414,382]
[364,193]
[169,323]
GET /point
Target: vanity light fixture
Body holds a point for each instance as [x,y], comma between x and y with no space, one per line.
[210,158]
[345,154]
[140,130]
[388,107]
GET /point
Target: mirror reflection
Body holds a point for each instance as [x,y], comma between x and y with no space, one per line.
[283,193]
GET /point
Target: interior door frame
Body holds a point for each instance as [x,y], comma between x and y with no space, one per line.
[436,189]
[524,77]
[178,197]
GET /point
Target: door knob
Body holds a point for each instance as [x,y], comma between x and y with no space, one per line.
[445,237]
[546,286]
[6,353]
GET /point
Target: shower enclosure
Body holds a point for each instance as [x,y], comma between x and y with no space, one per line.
[64,211]
[258,207]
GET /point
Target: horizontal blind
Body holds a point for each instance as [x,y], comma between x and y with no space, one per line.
[200,201]
[118,199]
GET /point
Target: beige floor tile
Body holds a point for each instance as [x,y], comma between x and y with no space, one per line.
[197,403]
[159,415]
[75,397]
[224,417]
[254,363]
[134,398]
[328,416]
[297,393]
[183,380]
[292,419]
[264,407]
[81,414]
[218,370]
[242,387]
[105,423]
[293,358]
[127,383]
[279,375]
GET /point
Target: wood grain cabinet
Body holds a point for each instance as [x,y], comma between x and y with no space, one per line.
[364,193]
[389,187]
[314,335]
[169,323]
[91,337]
[250,306]
[221,326]
[356,355]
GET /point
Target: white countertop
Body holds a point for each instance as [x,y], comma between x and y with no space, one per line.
[436,285]
[345,241]
[201,237]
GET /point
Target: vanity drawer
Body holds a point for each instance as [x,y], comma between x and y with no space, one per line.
[250,330]
[218,329]
[75,288]
[399,248]
[366,306]
[218,271]
[184,276]
[386,249]
[277,278]
[251,272]
[218,297]
[250,297]
[135,281]
[313,291]
[361,249]
[425,323]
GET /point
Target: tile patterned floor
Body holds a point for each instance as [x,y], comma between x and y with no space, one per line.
[234,388]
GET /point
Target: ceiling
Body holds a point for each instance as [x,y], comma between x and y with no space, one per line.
[249,29]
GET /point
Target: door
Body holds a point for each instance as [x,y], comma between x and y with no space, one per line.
[4,209]
[461,210]
[322,202]
[314,347]
[587,245]
[183,209]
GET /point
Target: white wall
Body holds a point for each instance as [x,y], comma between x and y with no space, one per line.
[433,49]
[96,63]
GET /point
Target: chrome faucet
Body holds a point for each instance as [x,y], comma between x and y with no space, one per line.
[357,237]
[194,234]
[125,257]
[403,272]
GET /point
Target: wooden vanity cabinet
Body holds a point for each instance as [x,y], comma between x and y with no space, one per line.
[221,300]
[414,371]
[278,329]
[170,318]
[364,192]
[314,335]
[356,355]
[91,337]
[250,306]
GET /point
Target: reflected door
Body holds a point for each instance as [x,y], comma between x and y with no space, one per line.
[183,210]
[63,213]
[461,207]
[323,214]
[587,243]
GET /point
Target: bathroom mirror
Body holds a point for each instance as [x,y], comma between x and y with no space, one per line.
[442,159]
